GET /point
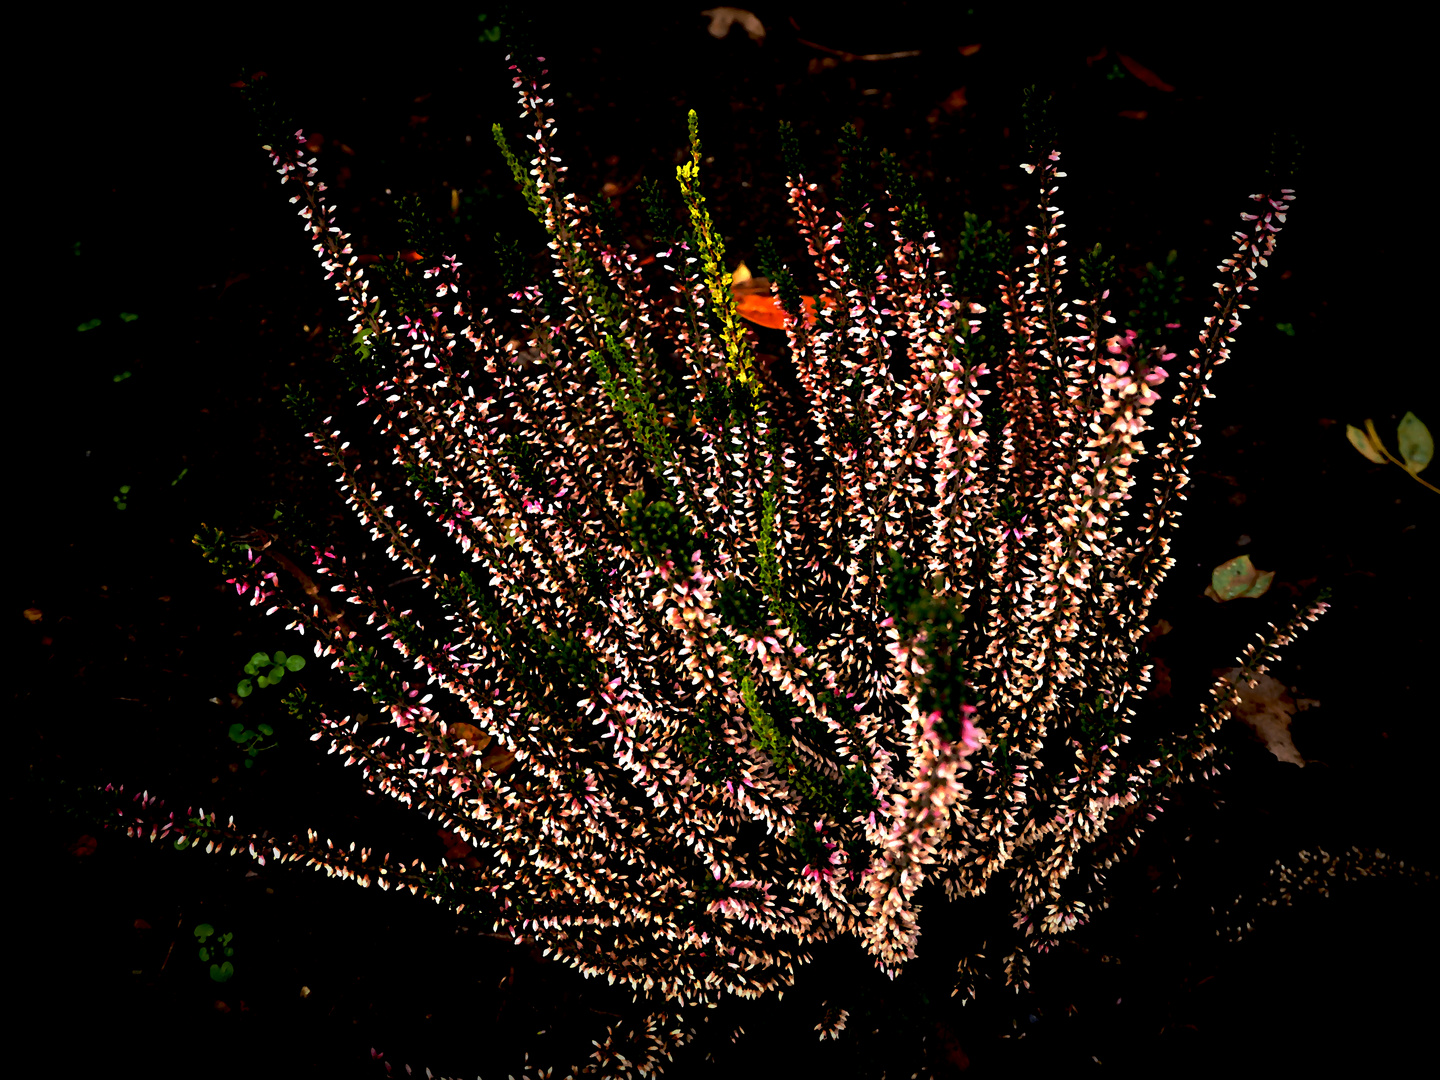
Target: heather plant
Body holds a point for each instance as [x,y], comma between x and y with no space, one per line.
[706,674]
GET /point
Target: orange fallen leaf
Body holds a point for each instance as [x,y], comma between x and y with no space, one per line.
[1134,114]
[955,102]
[762,310]
[754,303]
[1144,74]
[766,310]
[471,734]
[969,50]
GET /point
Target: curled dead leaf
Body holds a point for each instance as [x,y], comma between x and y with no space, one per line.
[722,19]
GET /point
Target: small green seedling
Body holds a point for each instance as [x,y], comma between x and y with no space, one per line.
[221,969]
[128,316]
[1416,445]
[88,324]
[122,376]
[252,742]
[273,667]
[121,499]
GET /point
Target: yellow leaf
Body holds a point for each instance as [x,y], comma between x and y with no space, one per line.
[1361,442]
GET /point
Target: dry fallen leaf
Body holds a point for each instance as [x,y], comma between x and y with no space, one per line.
[498,760]
[471,735]
[955,102]
[754,303]
[1144,74]
[723,18]
[1267,710]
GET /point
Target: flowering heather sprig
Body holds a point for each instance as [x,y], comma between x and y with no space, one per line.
[700,698]
[1313,876]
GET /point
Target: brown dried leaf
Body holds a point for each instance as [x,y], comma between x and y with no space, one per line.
[1267,709]
[723,18]
[1144,74]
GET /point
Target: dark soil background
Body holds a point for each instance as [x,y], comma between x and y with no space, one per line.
[151,197]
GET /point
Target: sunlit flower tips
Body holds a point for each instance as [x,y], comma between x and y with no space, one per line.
[658,626]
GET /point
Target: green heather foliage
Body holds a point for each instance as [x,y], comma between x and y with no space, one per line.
[701,694]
